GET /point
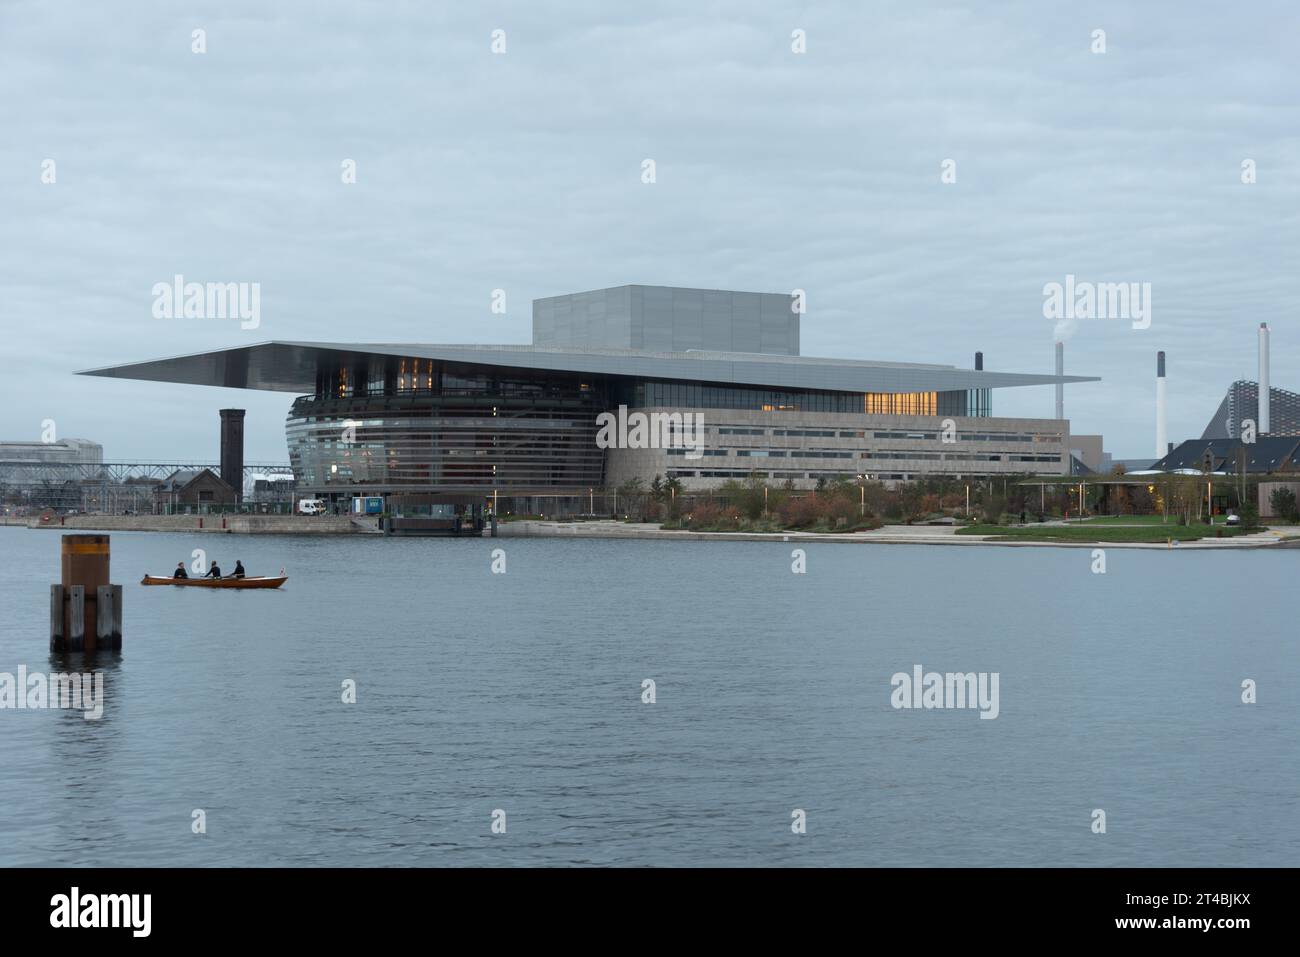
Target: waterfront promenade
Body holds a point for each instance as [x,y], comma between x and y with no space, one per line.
[886,535]
[234,524]
[1285,536]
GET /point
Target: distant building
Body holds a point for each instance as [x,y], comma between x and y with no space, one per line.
[60,459]
[1242,402]
[272,490]
[532,423]
[1079,467]
[1088,450]
[1271,454]
[1275,457]
[191,491]
[134,495]
[47,474]
[1132,465]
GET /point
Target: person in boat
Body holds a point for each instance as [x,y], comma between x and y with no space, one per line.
[239,569]
[180,571]
[214,571]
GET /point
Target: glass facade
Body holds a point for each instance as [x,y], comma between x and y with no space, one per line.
[385,424]
[979,403]
[417,425]
[708,395]
[393,376]
[901,403]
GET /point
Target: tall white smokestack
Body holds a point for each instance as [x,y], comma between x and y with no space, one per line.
[1060,387]
[1264,396]
[1162,431]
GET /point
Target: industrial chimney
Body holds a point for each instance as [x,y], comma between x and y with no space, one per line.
[1060,386]
[1264,394]
[1162,430]
[232,450]
[979,362]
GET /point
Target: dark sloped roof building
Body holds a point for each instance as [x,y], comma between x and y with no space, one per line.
[188,489]
[1268,454]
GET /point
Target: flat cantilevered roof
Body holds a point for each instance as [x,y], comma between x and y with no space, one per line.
[291,367]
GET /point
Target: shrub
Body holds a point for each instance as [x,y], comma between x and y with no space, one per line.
[1284,504]
[708,516]
[842,511]
[910,500]
[801,512]
[703,515]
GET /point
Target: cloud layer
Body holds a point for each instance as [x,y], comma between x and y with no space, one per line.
[521,171]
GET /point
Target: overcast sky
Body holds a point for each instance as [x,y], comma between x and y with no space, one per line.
[522,171]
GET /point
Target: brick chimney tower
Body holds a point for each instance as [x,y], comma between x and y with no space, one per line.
[232,450]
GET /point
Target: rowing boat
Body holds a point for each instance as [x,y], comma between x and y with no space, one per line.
[275,582]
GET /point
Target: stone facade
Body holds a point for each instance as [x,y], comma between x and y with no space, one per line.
[806,446]
[192,491]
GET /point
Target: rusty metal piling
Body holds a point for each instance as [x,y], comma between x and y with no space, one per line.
[85,609]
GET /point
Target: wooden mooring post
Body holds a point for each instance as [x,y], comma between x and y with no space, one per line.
[85,610]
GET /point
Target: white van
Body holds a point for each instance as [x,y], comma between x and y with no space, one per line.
[311,506]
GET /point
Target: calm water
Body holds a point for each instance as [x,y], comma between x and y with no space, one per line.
[522,692]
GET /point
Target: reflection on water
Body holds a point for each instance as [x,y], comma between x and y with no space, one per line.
[82,757]
[523,692]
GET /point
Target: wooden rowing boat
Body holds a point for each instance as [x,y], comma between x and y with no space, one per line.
[275,582]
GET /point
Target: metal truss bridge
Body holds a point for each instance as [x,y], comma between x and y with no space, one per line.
[40,474]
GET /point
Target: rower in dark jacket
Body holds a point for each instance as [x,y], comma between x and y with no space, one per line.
[180,571]
[214,571]
[239,569]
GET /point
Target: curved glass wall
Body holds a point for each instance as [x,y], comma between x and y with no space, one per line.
[379,424]
[411,425]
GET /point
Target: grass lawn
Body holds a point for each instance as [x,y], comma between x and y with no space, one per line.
[1099,533]
[1136,520]
[768,526]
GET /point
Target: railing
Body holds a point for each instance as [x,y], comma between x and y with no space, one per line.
[122,471]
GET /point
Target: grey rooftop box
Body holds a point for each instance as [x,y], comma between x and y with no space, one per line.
[669,319]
